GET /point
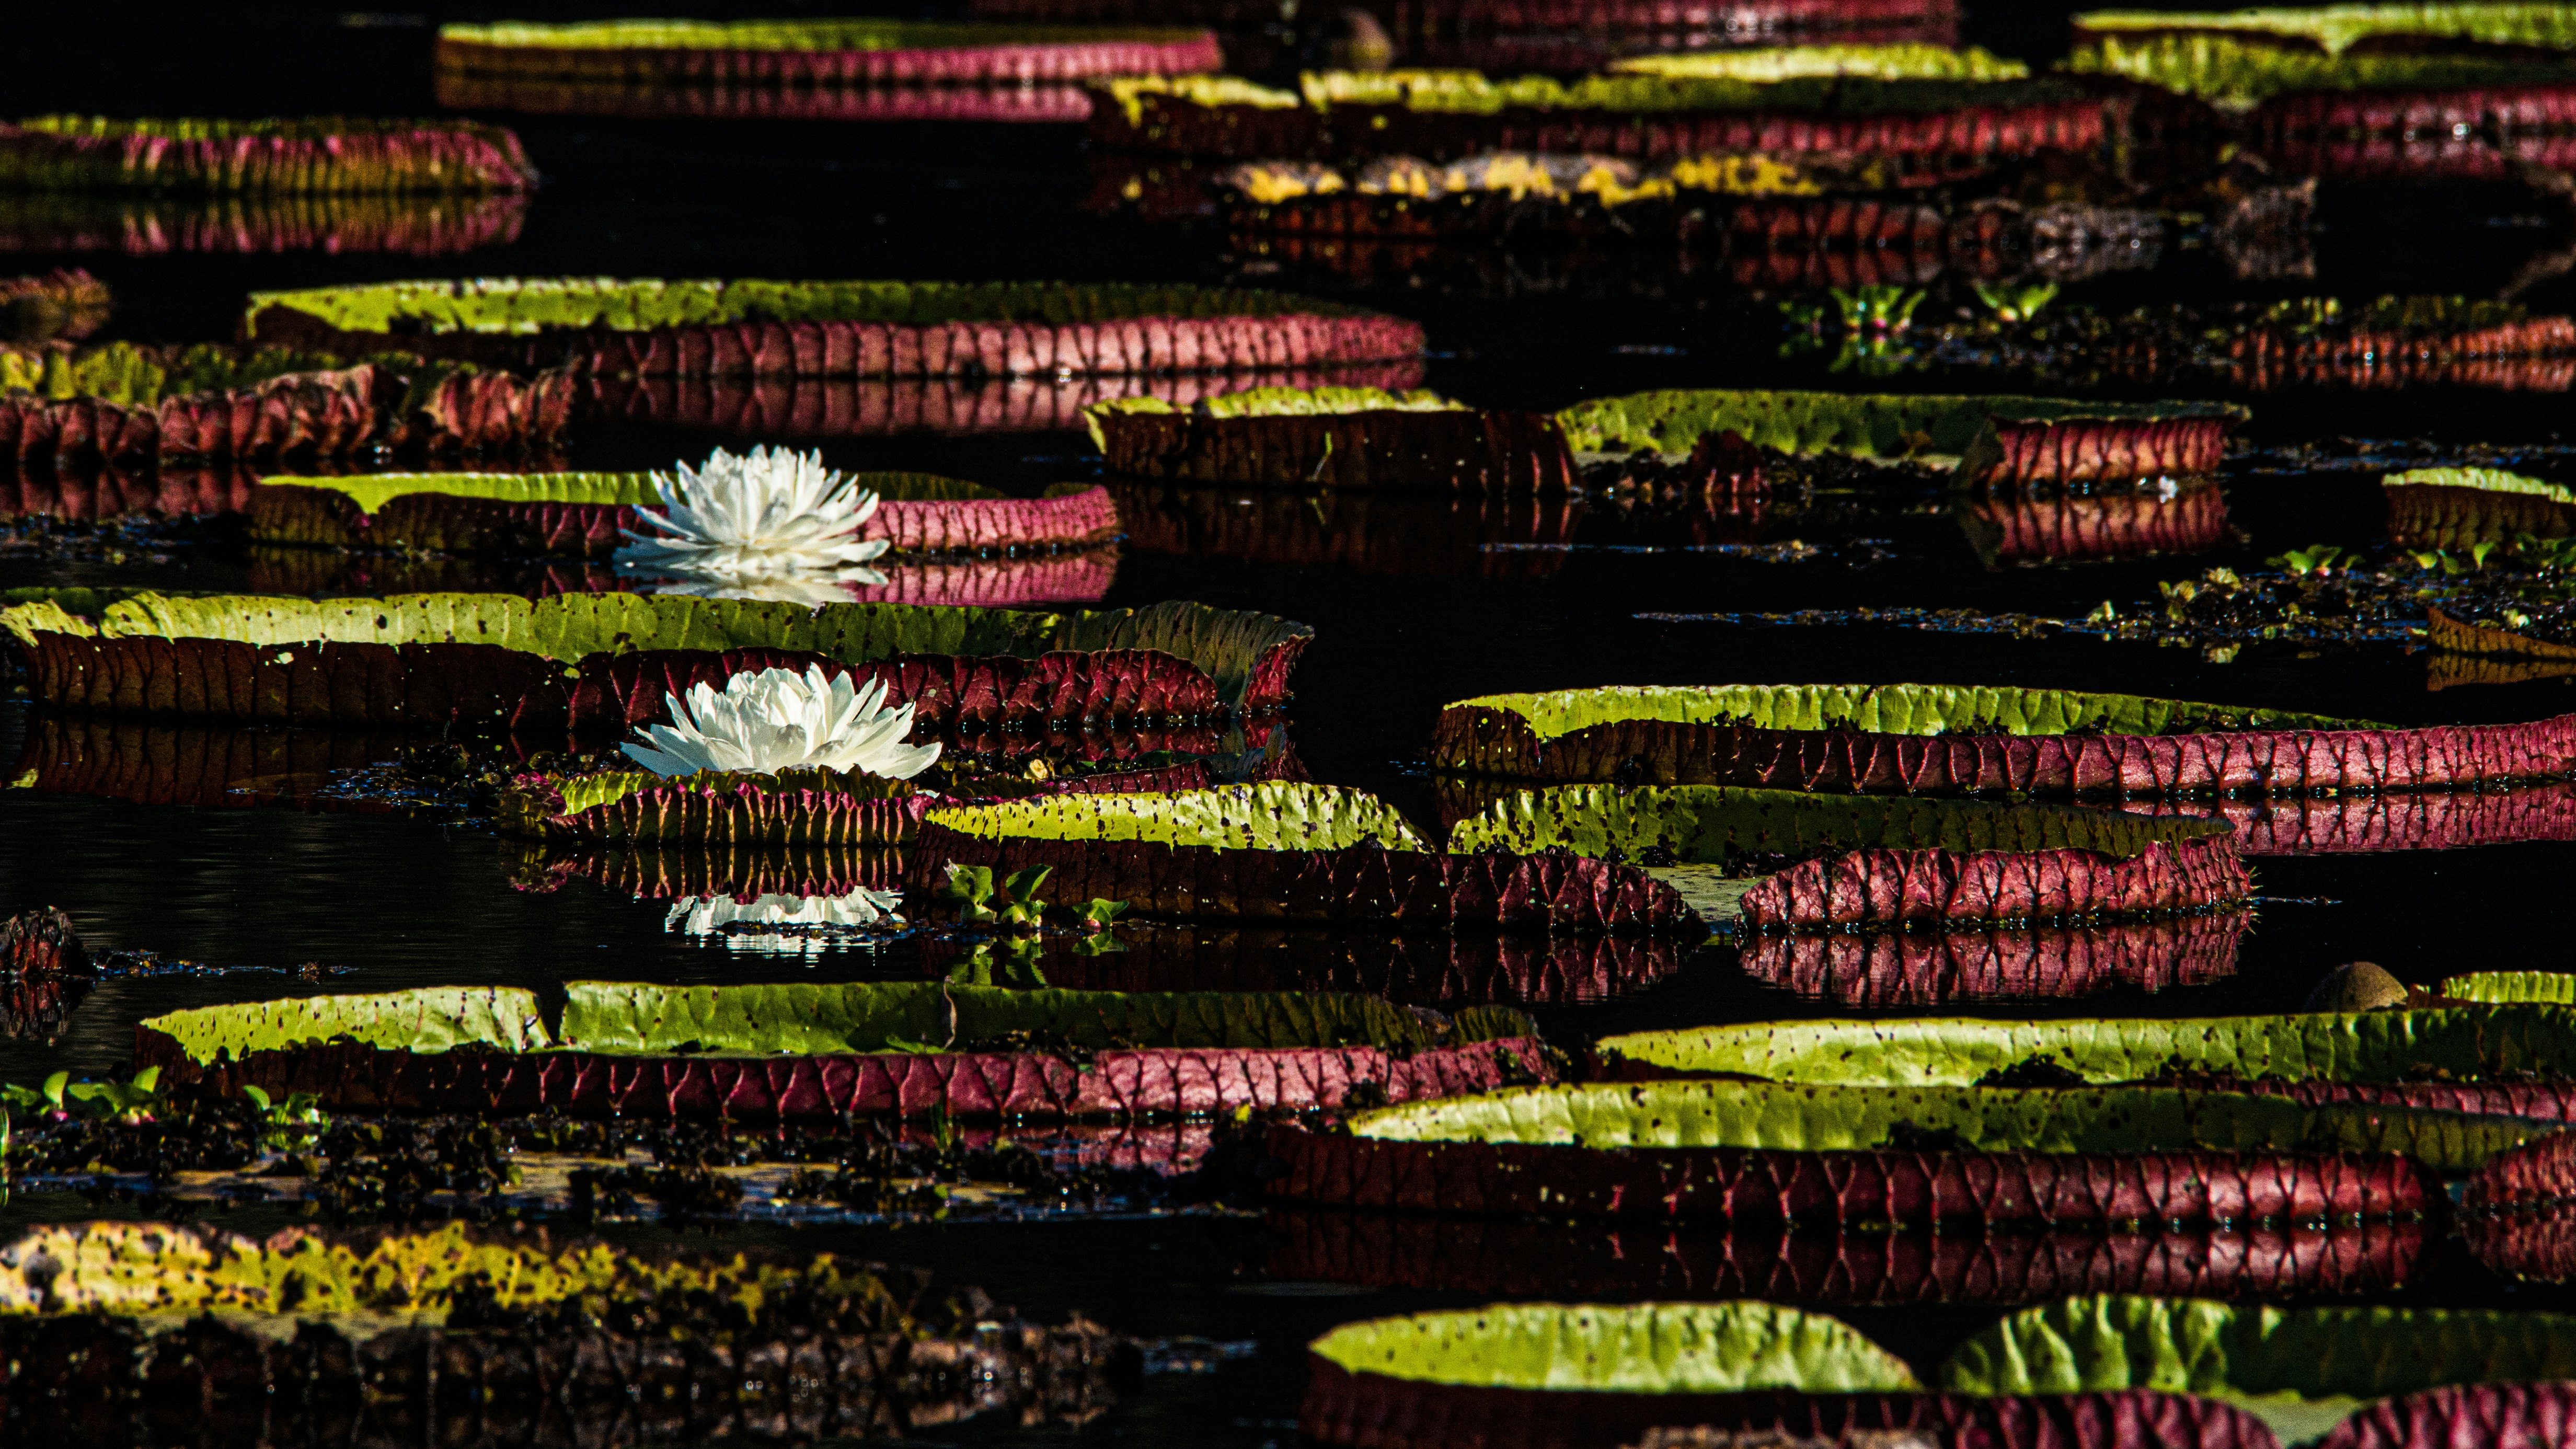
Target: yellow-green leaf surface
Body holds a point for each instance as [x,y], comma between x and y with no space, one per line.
[1897,709]
[527,305]
[425,1019]
[1711,824]
[1886,426]
[1781,1117]
[2302,1370]
[1792,62]
[1649,1348]
[2371,1046]
[2485,480]
[2554,987]
[1273,815]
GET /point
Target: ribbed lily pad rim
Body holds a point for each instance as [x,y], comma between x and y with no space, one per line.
[526,306]
[372,491]
[1930,429]
[1906,709]
[1267,815]
[861,33]
[2483,480]
[2394,1045]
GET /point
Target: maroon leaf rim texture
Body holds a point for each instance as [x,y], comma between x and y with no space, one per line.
[2460,636]
[2124,525]
[2491,1416]
[1409,969]
[1890,887]
[996,583]
[1389,448]
[2424,515]
[451,523]
[425,156]
[1843,1188]
[39,941]
[1909,968]
[797,408]
[1375,1411]
[1480,740]
[748,813]
[1597,1262]
[2430,156]
[1934,144]
[1495,890]
[1222,345]
[495,687]
[1021,63]
[2096,450]
[2541,106]
[1042,102]
[2518,1212]
[1165,1082]
[326,413]
[743,872]
[2398,820]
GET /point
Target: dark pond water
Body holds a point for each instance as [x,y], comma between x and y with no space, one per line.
[397,901]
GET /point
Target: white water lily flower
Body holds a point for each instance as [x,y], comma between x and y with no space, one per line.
[777,720]
[770,515]
[706,916]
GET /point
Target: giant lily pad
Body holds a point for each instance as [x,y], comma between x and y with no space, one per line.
[863,52]
[2513,1060]
[2458,508]
[484,659]
[587,514]
[1933,968]
[833,329]
[1945,739]
[331,154]
[2304,1371]
[1594,1376]
[798,1051]
[1290,852]
[2011,438]
[1853,860]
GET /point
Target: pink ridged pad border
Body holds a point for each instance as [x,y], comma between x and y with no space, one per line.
[1479,740]
[1744,1185]
[1888,887]
[939,66]
[1170,1081]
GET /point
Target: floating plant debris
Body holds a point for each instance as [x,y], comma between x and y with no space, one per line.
[793,1051]
[561,1343]
[2306,341]
[650,328]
